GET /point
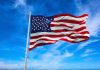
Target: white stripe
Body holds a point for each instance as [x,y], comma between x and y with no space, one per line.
[65,23]
[34,40]
[83,30]
[70,18]
[62,27]
[42,41]
[75,35]
[79,39]
[50,33]
[79,26]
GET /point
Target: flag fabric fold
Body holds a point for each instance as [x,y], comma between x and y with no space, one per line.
[66,27]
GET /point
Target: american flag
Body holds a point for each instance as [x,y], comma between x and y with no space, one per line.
[66,27]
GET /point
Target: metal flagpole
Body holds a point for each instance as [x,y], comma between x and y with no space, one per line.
[27,44]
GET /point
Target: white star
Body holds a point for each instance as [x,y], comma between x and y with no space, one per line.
[33,20]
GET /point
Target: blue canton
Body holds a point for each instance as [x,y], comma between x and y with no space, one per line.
[40,24]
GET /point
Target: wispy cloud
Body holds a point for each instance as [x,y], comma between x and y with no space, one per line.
[82,45]
[89,50]
[39,64]
[90,7]
[94,25]
[23,7]
[88,54]
[20,3]
[53,56]
[68,54]
[8,65]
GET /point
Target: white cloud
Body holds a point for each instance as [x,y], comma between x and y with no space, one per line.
[36,64]
[89,50]
[23,7]
[57,45]
[9,65]
[68,54]
[88,54]
[52,57]
[94,25]
[40,65]
[45,62]
[93,22]
[55,56]
[82,45]
[20,3]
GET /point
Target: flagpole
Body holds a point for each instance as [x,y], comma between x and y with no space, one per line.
[27,43]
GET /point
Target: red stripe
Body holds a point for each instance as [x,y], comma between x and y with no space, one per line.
[53,25]
[42,43]
[66,30]
[70,21]
[79,29]
[39,44]
[85,37]
[31,43]
[62,30]
[73,40]
[64,39]
[85,32]
[70,15]
[52,36]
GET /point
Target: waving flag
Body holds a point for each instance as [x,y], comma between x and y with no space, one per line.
[66,27]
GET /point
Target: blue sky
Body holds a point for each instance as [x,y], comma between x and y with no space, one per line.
[61,55]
